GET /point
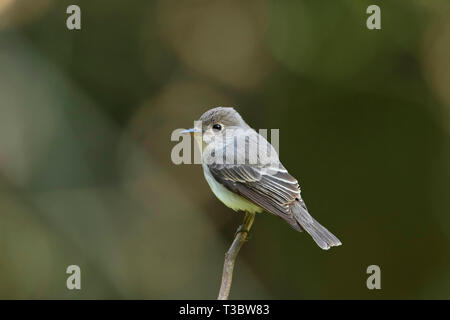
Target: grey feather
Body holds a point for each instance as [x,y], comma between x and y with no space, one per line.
[287,205]
[324,238]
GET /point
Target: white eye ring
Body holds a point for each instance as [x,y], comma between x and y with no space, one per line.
[217,127]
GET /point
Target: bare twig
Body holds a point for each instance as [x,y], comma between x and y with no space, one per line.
[231,255]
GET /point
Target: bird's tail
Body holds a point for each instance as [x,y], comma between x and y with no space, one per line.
[324,238]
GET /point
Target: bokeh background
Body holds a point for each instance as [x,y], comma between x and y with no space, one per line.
[86,117]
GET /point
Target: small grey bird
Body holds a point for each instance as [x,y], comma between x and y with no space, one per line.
[248,178]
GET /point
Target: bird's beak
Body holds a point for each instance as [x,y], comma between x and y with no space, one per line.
[190,131]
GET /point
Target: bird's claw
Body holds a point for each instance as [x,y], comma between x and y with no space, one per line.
[242,229]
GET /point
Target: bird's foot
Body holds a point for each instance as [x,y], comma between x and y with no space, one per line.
[242,229]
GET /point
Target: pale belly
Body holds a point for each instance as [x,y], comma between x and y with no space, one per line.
[230,199]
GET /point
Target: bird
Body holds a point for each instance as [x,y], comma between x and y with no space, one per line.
[244,172]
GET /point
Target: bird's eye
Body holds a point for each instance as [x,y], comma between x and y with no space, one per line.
[217,127]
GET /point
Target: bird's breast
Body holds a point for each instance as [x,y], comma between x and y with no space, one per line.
[230,199]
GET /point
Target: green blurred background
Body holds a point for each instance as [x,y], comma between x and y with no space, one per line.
[86,176]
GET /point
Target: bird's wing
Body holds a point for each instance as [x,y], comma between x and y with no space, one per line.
[272,188]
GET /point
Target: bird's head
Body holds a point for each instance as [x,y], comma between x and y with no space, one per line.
[217,122]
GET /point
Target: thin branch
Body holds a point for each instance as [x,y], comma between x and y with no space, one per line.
[231,255]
